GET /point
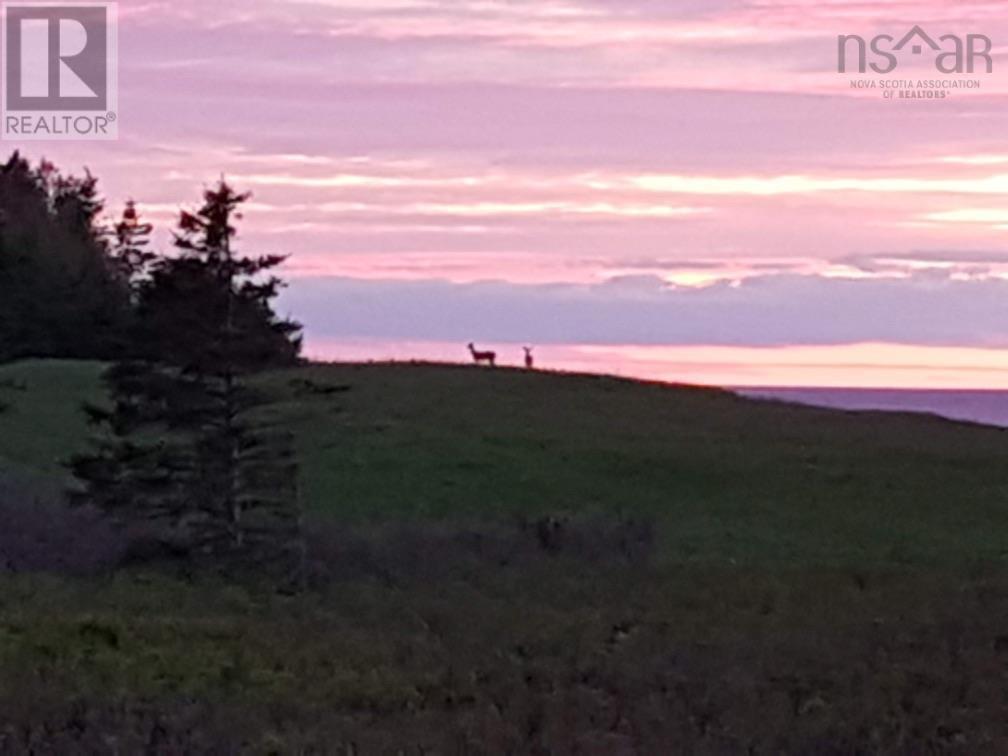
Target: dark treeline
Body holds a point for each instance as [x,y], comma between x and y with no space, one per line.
[180,444]
[74,284]
[62,294]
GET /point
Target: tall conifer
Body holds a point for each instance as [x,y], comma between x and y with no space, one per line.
[187,438]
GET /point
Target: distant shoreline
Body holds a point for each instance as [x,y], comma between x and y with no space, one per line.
[984,406]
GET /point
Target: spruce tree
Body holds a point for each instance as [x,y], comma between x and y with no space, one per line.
[130,256]
[59,296]
[187,437]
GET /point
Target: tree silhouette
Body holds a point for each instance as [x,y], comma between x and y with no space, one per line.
[59,293]
[130,255]
[185,439]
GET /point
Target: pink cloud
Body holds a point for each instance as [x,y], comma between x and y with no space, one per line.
[572,143]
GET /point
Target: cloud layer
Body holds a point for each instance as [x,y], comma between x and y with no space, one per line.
[925,308]
[640,172]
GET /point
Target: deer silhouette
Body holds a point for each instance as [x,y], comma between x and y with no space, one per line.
[529,362]
[488,357]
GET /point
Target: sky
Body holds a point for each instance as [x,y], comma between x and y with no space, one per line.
[677,189]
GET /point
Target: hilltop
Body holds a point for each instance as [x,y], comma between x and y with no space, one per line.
[723,477]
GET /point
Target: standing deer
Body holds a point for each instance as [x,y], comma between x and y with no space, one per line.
[529,362]
[488,357]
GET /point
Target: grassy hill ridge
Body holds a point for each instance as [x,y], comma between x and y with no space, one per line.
[725,477]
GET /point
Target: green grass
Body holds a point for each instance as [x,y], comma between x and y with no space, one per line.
[828,582]
[43,422]
[726,478]
[544,659]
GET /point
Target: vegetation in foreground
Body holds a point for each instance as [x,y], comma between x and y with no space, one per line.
[550,655]
[529,563]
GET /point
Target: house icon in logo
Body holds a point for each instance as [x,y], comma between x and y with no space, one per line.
[917,49]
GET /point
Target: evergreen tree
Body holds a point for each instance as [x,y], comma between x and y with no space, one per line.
[130,256]
[187,438]
[59,294]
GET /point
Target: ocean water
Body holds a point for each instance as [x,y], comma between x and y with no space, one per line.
[988,407]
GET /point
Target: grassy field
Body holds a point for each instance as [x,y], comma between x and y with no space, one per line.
[819,581]
[725,478]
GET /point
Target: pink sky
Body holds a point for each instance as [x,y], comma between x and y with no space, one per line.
[680,189]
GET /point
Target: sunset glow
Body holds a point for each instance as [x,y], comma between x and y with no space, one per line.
[684,190]
[861,365]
